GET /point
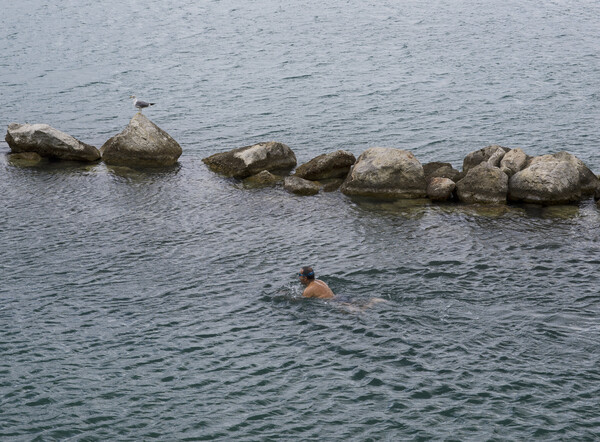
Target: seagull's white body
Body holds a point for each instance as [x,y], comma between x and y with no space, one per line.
[140,104]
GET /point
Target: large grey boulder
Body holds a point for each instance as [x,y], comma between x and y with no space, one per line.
[250,160]
[300,186]
[332,165]
[142,143]
[440,189]
[382,172]
[515,160]
[48,142]
[492,155]
[441,170]
[484,184]
[559,178]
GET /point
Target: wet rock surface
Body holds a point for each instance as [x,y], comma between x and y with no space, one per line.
[48,142]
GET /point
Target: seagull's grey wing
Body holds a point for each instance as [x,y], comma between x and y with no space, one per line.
[140,103]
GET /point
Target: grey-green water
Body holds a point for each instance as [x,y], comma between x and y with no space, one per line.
[141,305]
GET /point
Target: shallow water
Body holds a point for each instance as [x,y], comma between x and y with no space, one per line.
[138,305]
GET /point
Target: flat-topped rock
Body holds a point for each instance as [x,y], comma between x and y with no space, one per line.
[382,172]
[141,143]
[332,165]
[250,160]
[48,142]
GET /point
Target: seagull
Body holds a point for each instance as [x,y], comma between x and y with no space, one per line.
[140,104]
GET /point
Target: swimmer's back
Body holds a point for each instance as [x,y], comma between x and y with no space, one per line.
[318,289]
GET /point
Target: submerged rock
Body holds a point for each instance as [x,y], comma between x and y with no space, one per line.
[440,189]
[331,184]
[48,142]
[250,160]
[559,178]
[483,184]
[261,179]
[382,172]
[25,159]
[331,165]
[300,186]
[141,143]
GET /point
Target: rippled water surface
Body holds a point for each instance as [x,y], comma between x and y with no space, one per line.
[163,304]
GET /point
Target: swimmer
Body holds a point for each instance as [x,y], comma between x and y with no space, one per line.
[315,288]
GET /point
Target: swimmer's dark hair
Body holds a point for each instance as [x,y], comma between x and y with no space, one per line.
[308,272]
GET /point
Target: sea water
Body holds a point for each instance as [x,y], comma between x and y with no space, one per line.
[164,304]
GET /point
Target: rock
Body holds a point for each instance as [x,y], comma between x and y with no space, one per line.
[48,142]
[141,143]
[25,159]
[300,186]
[440,189]
[590,184]
[331,165]
[261,179]
[515,160]
[491,154]
[483,184]
[382,172]
[250,160]
[331,184]
[438,169]
[559,178]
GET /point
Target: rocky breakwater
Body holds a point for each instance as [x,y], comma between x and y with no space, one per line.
[492,175]
[497,174]
[33,142]
[142,143]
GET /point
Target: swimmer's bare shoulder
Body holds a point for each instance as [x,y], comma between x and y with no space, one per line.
[318,289]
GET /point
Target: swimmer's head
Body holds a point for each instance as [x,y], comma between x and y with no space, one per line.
[307,272]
